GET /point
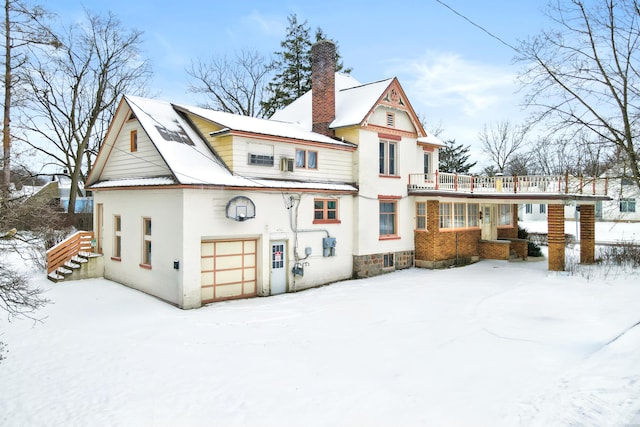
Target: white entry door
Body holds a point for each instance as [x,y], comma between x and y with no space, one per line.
[278,267]
[489,222]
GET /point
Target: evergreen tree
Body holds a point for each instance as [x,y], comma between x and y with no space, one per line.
[454,158]
[292,66]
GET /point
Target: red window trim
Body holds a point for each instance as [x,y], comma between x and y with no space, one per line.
[327,221]
[390,176]
[389,237]
[392,137]
[384,197]
[116,258]
[145,266]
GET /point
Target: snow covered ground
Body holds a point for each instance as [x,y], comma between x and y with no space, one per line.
[492,344]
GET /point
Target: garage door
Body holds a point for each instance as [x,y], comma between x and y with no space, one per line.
[228,270]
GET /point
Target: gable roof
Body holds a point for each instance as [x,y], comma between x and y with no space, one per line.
[353,102]
[235,123]
[188,157]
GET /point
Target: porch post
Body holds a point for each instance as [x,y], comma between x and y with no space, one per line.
[555,236]
[587,234]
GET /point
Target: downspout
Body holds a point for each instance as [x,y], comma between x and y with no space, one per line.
[295,202]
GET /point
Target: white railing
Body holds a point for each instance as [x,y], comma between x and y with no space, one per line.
[550,184]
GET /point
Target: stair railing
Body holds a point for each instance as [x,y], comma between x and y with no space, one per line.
[69,248]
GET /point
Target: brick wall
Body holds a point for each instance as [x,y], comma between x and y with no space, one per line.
[555,227]
[434,248]
[373,265]
[587,234]
[494,249]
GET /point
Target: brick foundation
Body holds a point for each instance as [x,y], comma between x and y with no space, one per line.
[373,265]
[555,226]
[587,234]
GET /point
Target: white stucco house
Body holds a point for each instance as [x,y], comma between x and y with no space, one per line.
[193,205]
[196,206]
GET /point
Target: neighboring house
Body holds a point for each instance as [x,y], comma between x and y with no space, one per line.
[84,202]
[622,206]
[195,206]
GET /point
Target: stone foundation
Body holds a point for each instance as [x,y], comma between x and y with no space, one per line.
[373,265]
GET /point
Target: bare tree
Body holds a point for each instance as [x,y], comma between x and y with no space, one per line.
[501,141]
[235,85]
[583,74]
[74,93]
[24,28]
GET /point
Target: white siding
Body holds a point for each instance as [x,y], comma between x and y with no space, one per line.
[333,165]
[145,162]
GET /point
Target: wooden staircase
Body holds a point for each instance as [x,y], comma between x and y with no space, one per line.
[73,258]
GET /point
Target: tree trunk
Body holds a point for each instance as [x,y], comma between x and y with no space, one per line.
[6,130]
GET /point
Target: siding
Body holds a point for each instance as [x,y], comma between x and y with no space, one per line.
[145,162]
[333,165]
[221,145]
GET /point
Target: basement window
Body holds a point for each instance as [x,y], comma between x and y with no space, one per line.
[388,261]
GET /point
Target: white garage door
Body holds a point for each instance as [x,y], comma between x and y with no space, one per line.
[228,270]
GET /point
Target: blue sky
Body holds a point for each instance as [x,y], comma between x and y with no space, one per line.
[455,75]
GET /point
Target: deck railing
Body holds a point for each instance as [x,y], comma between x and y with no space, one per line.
[549,184]
[69,248]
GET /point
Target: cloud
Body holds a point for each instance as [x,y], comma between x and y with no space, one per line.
[271,26]
[446,79]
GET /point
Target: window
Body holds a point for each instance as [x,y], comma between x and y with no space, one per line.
[388,261]
[387,158]
[473,216]
[543,209]
[528,208]
[146,242]
[459,215]
[504,215]
[260,160]
[133,141]
[325,210]
[117,237]
[459,211]
[391,120]
[388,218]
[260,154]
[445,215]
[306,159]
[427,163]
[627,205]
[421,216]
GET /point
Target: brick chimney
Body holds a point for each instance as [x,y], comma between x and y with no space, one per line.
[323,86]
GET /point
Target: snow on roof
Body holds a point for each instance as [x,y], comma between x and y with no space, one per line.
[261,126]
[431,139]
[135,182]
[185,152]
[353,102]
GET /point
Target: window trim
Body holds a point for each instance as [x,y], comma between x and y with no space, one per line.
[305,162]
[627,202]
[389,261]
[421,217]
[385,161]
[117,238]
[325,210]
[392,201]
[133,140]
[500,215]
[147,246]
[450,217]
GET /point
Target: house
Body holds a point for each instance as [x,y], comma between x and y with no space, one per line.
[195,206]
[620,207]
